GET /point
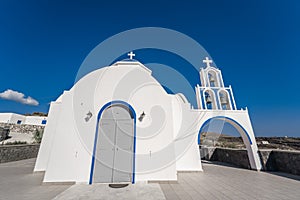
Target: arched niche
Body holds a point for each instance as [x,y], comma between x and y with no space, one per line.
[224,100]
[213,79]
[210,99]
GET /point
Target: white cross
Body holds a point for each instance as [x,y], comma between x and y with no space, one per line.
[207,61]
[131,55]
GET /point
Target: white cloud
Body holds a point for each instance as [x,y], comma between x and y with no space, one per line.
[18,97]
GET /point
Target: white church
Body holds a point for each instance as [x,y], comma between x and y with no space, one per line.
[118,124]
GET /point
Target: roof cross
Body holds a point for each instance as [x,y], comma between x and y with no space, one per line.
[131,55]
[207,61]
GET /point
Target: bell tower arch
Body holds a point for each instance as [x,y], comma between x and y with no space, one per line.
[215,101]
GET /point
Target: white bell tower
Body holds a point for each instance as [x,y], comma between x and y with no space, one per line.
[212,94]
[215,101]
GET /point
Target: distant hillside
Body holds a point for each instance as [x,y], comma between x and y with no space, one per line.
[37,114]
[221,140]
[224,140]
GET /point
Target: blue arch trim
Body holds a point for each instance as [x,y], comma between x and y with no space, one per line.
[96,136]
[223,117]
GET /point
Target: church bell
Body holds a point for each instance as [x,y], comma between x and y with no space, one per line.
[208,99]
[223,100]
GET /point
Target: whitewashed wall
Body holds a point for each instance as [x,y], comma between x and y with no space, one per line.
[72,143]
[34,120]
[5,117]
[13,118]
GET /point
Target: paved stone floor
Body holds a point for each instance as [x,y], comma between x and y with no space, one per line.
[226,182]
[217,182]
[18,182]
[140,190]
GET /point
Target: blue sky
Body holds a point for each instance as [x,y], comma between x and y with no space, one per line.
[256,44]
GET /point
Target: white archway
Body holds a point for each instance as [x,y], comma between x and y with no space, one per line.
[241,122]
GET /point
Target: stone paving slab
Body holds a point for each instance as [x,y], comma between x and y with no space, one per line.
[17,181]
[226,182]
[140,190]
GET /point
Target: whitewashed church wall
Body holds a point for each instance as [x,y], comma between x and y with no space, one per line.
[48,137]
[144,94]
[187,149]
[61,164]
[73,142]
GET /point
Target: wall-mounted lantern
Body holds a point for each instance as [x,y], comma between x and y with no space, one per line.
[88,116]
[142,116]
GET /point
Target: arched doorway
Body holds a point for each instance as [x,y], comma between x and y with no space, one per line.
[114,146]
[249,143]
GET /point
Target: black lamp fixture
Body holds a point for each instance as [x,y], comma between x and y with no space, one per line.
[142,116]
[88,116]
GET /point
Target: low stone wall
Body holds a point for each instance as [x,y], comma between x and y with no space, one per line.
[272,160]
[22,128]
[237,157]
[10,153]
[281,160]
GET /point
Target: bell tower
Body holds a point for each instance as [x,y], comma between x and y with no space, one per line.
[212,94]
[216,101]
